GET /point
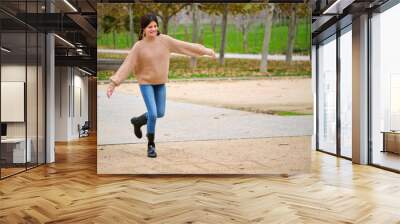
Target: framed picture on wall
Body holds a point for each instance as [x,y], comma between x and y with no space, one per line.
[12,101]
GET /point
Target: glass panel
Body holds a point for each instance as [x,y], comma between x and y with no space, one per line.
[32,99]
[386,89]
[327,96]
[22,87]
[32,89]
[346,93]
[13,87]
[41,98]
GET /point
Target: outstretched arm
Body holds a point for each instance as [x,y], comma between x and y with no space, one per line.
[187,48]
[123,71]
[127,66]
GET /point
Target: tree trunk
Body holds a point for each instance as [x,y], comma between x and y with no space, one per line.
[176,24]
[131,25]
[201,35]
[267,36]
[193,61]
[223,34]
[165,24]
[113,32]
[186,32]
[291,34]
[245,36]
[99,27]
[213,27]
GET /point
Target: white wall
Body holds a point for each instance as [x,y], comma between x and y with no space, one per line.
[69,85]
[14,73]
[79,117]
[33,126]
[62,80]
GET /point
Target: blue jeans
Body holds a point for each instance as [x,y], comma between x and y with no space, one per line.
[154,97]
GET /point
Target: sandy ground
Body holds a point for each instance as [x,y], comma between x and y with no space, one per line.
[288,155]
[207,140]
[264,95]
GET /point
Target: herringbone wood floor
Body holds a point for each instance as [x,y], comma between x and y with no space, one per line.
[70,191]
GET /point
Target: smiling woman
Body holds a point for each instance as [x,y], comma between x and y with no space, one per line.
[149,26]
[149,60]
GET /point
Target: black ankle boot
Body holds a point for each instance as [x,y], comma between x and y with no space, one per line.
[151,147]
[138,122]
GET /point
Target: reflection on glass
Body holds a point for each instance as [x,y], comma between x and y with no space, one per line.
[22,89]
[327,96]
[346,94]
[32,98]
[14,152]
[394,102]
[386,89]
[41,99]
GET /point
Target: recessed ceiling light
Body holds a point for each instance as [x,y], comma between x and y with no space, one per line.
[70,5]
[64,40]
[5,49]
[86,72]
[337,7]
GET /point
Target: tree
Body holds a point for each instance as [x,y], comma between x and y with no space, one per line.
[245,20]
[112,19]
[131,23]
[223,10]
[267,36]
[195,30]
[293,12]
[165,11]
[223,34]
[109,24]
[213,30]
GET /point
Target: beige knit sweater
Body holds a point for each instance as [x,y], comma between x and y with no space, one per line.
[149,60]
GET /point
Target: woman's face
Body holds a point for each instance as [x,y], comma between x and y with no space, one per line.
[151,29]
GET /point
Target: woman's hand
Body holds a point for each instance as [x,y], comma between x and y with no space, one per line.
[212,53]
[110,89]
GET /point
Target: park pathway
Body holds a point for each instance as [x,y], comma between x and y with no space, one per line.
[189,122]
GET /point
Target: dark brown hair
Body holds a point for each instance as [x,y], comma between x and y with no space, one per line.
[145,20]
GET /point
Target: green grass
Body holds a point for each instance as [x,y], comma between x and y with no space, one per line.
[290,113]
[206,68]
[234,42]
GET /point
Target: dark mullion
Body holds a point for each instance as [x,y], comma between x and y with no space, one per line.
[45,93]
[37,91]
[73,92]
[369,89]
[317,97]
[46,2]
[69,93]
[60,86]
[333,154]
[385,168]
[0,97]
[338,77]
[26,88]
